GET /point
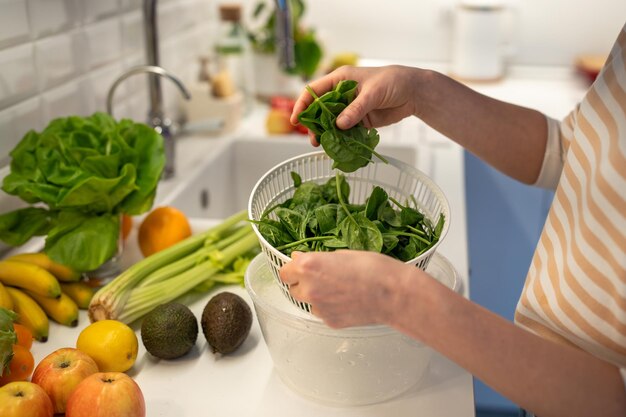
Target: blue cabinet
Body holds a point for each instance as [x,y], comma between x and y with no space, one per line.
[504,219]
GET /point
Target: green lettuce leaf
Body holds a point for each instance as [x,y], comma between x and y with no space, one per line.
[81,173]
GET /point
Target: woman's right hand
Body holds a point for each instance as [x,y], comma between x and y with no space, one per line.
[385,95]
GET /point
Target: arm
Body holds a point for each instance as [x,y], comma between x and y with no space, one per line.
[511,138]
[542,376]
[547,378]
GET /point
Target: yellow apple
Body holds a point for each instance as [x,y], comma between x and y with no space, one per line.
[277,122]
[24,399]
[106,394]
[60,372]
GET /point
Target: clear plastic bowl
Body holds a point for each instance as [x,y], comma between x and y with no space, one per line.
[342,367]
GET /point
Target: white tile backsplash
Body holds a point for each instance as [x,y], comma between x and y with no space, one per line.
[98,85]
[14,26]
[133,33]
[59,58]
[18,79]
[103,42]
[66,100]
[99,9]
[48,17]
[127,5]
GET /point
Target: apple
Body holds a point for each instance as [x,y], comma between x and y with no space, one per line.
[60,372]
[24,399]
[106,394]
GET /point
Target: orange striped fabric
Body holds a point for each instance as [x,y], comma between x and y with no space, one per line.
[575,290]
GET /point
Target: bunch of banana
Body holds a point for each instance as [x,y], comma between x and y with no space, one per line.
[37,288]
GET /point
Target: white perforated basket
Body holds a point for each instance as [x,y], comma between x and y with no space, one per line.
[401,181]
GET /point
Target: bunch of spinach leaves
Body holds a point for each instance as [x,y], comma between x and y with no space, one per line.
[79,174]
[349,149]
[319,217]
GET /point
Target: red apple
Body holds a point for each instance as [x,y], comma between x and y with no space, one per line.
[24,399]
[106,394]
[60,372]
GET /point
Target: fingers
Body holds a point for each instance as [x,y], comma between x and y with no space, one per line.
[314,141]
[319,86]
[355,112]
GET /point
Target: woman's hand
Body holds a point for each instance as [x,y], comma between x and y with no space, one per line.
[347,288]
[385,95]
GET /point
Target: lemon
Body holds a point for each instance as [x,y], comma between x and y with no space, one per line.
[111,343]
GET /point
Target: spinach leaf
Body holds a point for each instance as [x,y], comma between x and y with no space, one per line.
[308,194]
[375,201]
[329,189]
[297,180]
[350,149]
[321,218]
[326,217]
[292,221]
[274,232]
[360,233]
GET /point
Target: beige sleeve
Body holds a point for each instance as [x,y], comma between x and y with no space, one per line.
[553,158]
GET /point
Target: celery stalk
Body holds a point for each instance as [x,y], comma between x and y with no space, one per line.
[142,300]
[110,300]
[194,258]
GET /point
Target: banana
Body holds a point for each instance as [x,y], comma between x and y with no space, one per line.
[30,314]
[61,272]
[29,277]
[80,292]
[5,299]
[63,310]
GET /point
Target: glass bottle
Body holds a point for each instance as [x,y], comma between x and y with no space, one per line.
[233,52]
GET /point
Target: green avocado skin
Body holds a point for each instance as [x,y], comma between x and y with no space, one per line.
[169,331]
[226,322]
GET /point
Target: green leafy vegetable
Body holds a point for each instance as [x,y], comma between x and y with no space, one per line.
[7,338]
[326,221]
[307,50]
[349,149]
[82,173]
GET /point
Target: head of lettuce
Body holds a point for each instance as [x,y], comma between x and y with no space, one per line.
[79,174]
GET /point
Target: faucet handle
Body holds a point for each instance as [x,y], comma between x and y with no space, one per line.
[144,69]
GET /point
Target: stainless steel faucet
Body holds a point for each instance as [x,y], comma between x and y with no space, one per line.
[156,120]
[156,116]
[284,35]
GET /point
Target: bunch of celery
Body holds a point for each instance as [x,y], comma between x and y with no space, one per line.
[196,263]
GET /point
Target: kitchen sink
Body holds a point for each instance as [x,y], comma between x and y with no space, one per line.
[222,186]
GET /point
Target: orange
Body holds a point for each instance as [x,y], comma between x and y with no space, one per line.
[24,335]
[127,225]
[162,228]
[21,365]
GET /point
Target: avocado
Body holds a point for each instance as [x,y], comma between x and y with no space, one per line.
[226,322]
[169,331]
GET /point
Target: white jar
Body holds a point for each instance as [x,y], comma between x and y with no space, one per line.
[479,44]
